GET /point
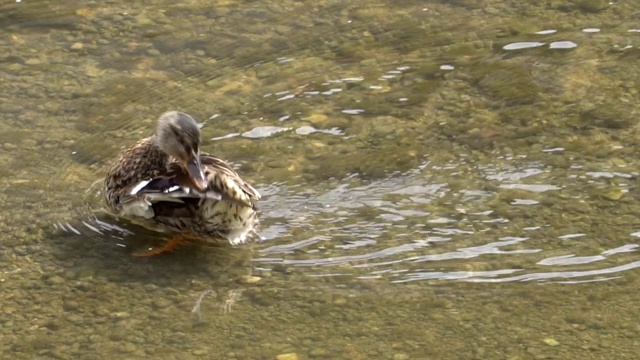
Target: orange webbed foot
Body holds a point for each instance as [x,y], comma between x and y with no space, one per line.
[169,246]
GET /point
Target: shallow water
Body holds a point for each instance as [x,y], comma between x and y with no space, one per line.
[451,180]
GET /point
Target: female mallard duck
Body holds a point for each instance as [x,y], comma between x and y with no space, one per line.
[165,183]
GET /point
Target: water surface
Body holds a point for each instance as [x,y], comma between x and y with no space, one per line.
[443,180]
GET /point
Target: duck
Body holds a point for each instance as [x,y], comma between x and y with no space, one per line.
[165,183]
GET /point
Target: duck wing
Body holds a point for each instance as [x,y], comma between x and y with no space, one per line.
[174,185]
[226,182]
[172,193]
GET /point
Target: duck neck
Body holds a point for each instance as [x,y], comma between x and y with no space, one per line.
[154,151]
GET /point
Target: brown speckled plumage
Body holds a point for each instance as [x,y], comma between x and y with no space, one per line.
[150,185]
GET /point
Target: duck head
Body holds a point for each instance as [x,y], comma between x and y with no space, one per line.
[178,136]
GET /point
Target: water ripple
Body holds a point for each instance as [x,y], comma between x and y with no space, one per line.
[393,227]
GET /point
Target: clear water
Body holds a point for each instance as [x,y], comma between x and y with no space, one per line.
[441,180]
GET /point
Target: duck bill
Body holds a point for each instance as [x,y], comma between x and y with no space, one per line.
[194,169]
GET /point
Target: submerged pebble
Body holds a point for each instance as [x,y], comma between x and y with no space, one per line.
[287,356]
[248,279]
